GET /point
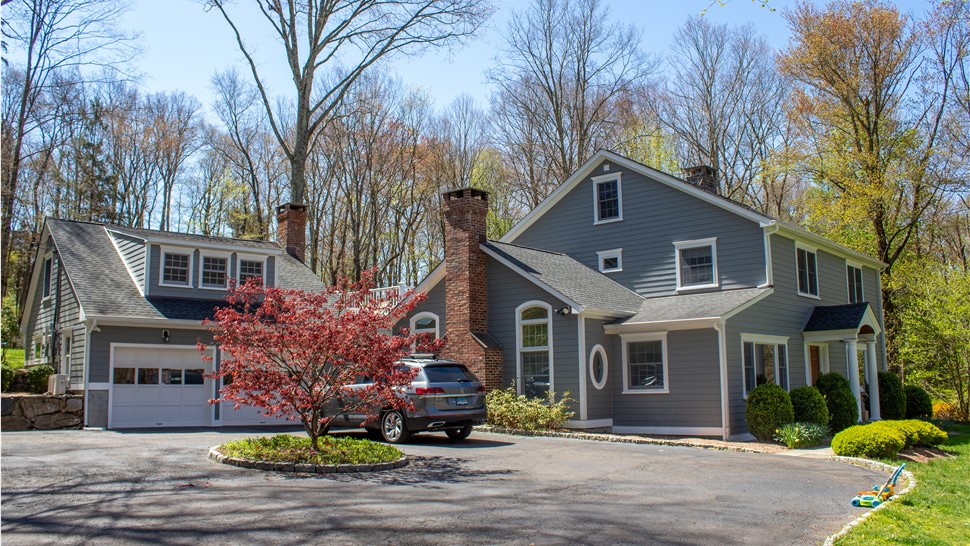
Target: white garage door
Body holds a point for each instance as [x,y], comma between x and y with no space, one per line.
[159,387]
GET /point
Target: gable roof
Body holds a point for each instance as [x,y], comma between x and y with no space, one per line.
[744,211]
[566,278]
[837,317]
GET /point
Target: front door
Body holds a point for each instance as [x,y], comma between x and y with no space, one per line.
[815,361]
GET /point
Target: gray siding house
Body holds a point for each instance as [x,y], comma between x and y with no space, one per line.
[657,303]
[120,311]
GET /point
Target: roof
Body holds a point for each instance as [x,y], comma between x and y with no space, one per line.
[486,340]
[105,289]
[705,305]
[564,276]
[837,317]
[154,234]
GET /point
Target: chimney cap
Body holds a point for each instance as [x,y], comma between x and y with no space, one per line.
[289,206]
[464,193]
[700,170]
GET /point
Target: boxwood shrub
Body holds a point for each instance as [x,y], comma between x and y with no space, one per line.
[868,441]
[843,411]
[768,408]
[916,432]
[37,378]
[919,405]
[809,406]
[892,398]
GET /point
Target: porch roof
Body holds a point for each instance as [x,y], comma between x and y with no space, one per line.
[690,309]
[837,317]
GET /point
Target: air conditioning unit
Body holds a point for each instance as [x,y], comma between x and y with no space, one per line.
[58,383]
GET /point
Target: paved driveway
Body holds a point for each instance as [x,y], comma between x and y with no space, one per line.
[72,487]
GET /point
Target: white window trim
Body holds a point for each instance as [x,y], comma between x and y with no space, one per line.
[161,265]
[203,254]
[518,342]
[818,281]
[823,359]
[67,339]
[39,356]
[697,243]
[597,180]
[251,258]
[426,314]
[653,336]
[48,284]
[598,349]
[607,254]
[848,285]
[765,339]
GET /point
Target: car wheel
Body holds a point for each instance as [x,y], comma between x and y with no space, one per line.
[458,434]
[394,430]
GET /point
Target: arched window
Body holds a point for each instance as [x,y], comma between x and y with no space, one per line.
[598,367]
[425,323]
[533,322]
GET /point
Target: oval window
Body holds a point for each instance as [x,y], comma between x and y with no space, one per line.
[598,367]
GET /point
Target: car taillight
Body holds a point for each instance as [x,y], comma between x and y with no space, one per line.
[429,390]
[481,389]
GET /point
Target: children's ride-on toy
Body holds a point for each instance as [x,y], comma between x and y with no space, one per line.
[884,493]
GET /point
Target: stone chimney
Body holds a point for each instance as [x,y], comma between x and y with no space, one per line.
[703,177]
[466,304]
[291,229]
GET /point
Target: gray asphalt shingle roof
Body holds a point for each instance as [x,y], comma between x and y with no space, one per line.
[104,287]
[692,306]
[564,274]
[836,317]
[193,238]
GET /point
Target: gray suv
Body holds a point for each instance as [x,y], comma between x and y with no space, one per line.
[446,396]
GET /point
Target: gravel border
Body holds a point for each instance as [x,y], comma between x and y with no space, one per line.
[304,468]
[872,465]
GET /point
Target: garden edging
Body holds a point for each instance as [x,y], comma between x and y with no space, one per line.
[305,468]
[873,465]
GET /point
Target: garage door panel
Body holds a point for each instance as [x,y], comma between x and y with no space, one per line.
[166,401]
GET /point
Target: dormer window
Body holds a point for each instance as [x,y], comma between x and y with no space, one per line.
[176,269]
[607,199]
[214,271]
[697,264]
[250,269]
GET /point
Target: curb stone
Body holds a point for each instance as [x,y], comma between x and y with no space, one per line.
[872,465]
[614,438]
[305,468]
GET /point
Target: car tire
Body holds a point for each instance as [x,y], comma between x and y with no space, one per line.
[459,434]
[394,428]
[374,434]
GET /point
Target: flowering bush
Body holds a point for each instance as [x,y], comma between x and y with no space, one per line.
[803,434]
[508,409]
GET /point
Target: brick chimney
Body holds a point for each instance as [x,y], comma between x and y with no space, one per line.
[291,229]
[466,304]
[703,177]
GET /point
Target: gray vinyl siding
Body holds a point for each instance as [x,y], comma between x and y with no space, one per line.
[100,365]
[434,303]
[599,403]
[132,250]
[785,313]
[694,384]
[506,291]
[193,290]
[654,217]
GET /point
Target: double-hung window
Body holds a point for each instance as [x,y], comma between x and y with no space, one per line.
[645,363]
[176,268]
[697,264]
[765,360]
[607,199]
[214,271]
[807,265]
[534,340]
[854,279]
[48,277]
[250,269]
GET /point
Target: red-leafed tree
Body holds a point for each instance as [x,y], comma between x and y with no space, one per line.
[293,353]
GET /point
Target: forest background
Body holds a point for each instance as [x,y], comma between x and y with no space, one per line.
[858,130]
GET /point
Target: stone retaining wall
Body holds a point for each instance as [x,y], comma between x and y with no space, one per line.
[41,412]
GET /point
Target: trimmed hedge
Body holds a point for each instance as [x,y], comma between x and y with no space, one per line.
[508,409]
[768,408]
[885,438]
[809,406]
[919,405]
[843,411]
[892,399]
[37,378]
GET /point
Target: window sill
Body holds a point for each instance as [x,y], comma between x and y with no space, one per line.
[646,391]
[223,288]
[698,287]
[611,270]
[608,221]
[812,296]
[169,285]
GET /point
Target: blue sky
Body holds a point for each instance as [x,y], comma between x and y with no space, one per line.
[183,45]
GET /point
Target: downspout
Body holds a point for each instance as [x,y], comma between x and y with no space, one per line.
[721,327]
[52,349]
[769,230]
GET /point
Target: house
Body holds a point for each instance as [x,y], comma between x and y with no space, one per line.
[657,303]
[120,310]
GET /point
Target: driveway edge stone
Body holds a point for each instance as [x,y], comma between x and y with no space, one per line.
[618,438]
[304,468]
[872,465]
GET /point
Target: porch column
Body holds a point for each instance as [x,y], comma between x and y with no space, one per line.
[853,369]
[873,380]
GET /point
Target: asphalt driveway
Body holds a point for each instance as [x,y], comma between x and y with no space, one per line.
[72,487]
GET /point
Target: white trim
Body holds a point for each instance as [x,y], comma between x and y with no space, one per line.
[722,361]
[576,308]
[141,289]
[203,254]
[588,423]
[818,282]
[67,337]
[796,233]
[241,257]
[607,254]
[426,314]
[669,431]
[162,251]
[35,274]
[660,325]
[518,341]
[768,231]
[581,359]
[823,359]
[117,320]
[633,338]
[48,283]
[766,339]
[99,386]
[602,179]
[598,349]
[710,242]
[271,249]
[848,284]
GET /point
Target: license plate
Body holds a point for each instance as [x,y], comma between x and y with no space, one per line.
[463,401]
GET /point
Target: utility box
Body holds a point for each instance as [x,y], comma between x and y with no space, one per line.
[58,383]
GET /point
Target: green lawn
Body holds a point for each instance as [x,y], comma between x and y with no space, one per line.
[13,358]
[937,512]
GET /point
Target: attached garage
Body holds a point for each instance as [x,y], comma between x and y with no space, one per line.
[159,387]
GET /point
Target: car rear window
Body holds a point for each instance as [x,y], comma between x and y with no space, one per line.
[447,374]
